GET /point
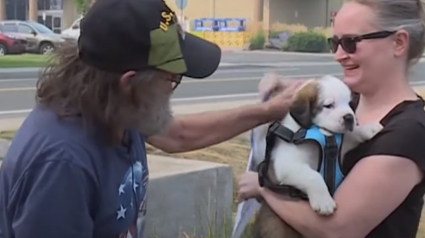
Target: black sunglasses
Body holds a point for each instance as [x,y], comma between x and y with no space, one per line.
[349,43]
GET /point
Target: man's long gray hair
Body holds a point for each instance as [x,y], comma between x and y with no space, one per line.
[70,87]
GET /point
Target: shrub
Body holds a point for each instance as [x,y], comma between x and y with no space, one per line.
[274,34]
[309,41]
[257,41]
[328,32]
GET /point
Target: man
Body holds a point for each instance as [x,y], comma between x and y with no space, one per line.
[77,166]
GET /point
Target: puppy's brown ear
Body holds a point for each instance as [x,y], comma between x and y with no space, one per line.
[304,105]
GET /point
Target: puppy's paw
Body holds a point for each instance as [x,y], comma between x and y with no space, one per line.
[370,130]
[323,204]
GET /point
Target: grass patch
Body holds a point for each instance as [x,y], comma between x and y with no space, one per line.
[7,134]
[23,60]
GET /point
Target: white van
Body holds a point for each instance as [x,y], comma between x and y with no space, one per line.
[74,30]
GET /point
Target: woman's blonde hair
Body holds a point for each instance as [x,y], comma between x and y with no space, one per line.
[401,14]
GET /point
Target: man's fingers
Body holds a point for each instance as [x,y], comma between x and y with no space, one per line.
[293,86]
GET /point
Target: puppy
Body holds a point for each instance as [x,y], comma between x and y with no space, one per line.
[325,103]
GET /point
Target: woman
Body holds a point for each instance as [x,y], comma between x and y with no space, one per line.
[376,42]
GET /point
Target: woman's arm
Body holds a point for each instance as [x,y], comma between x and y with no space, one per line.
[373,189]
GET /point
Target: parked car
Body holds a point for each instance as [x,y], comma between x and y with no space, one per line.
[11,44]
[40,39]
[74,30]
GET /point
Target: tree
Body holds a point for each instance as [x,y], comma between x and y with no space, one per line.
[82,6]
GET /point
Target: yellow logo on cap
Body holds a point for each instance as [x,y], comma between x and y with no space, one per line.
[166,19]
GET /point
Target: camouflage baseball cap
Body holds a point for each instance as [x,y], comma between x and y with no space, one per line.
[123,35]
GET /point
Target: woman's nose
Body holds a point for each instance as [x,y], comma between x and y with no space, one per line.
[340,54]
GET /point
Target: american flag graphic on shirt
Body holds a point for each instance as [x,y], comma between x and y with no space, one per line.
[132,199]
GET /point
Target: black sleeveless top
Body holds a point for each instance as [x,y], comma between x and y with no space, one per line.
[403,135]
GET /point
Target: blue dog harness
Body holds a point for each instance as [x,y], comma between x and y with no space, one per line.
[329,166]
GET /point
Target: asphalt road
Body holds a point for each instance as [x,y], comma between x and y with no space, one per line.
[237,78]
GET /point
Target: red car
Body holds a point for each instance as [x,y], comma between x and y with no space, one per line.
[11,44]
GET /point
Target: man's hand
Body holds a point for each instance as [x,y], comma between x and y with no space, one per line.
[279,93]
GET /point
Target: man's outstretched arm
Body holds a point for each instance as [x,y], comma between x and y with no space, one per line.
[196,131]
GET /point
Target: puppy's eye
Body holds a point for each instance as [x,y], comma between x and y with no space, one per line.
[329,106]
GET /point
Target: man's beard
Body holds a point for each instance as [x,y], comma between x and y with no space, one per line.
[156,116]
[152,115]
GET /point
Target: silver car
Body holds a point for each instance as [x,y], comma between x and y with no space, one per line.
[40,39]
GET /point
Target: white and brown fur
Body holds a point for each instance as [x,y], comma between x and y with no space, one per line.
[296,165]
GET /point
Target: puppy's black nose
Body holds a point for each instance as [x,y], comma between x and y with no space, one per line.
[348,121]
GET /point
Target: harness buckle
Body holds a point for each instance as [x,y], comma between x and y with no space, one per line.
[278,130]
[274,126]
[299,135]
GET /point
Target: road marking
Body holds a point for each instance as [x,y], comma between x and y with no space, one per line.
[226,96]
[230,71]
[188,99]
[186,81]
[11,112]
[17,80]
[17,89]
[253,78]
[246,69]
[288,53]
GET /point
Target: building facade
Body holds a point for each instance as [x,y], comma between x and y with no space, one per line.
[60,14]
[311,13]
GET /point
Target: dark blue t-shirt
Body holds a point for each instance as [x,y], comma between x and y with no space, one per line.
[60,179]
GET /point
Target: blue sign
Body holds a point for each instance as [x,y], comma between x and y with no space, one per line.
[220,24]
[181,4]
[206,24]
[232,24]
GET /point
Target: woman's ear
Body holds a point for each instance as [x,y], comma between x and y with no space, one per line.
[401,43]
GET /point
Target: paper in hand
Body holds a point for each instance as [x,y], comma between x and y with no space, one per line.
[247,208]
